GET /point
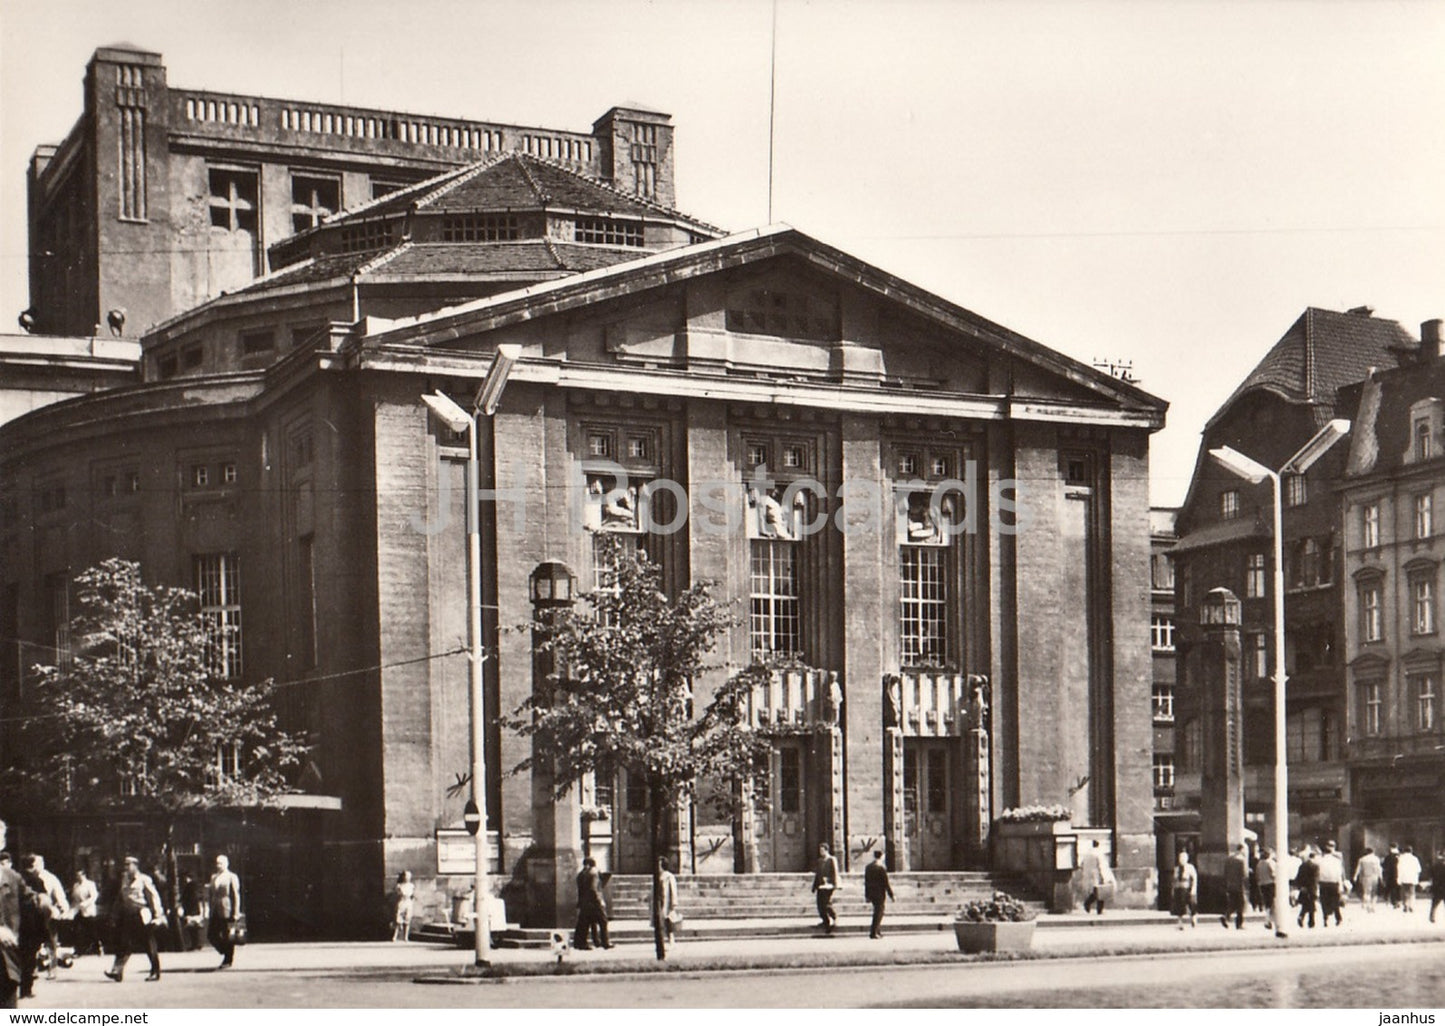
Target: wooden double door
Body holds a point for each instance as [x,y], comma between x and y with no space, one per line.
[930,813]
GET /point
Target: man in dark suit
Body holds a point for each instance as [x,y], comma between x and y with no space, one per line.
[591,910]
[11,891]
[825,882]
[877,891]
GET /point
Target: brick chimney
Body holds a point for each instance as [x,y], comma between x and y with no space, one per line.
[1430,340]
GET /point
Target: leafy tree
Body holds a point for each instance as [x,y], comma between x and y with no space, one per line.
[137,719]
[621,697]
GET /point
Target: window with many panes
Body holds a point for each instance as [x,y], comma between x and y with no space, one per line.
[1422,440]
[1161,633]
[1304,736]
[218,585]
[1296,490]
[790,779]
[773,620]
[1425,688]
[1163,701]
[1424,515]
[1422,604]
[923,635]
[1372,627]
[1372,706]
[1229,504]
[607,232]
[1163,770]
[1370,525]
[1254,576]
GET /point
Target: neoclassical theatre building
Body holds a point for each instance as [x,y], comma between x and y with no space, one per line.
[757,409]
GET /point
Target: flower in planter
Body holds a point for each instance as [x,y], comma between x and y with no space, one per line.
[1036,814]
[594,813]
[999,909]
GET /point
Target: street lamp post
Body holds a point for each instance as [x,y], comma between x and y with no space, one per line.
[458,419]
[1254,472]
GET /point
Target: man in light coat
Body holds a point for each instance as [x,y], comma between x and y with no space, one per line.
[1407,873]
[225,892]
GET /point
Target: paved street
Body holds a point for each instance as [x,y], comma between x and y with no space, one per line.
[1383,957]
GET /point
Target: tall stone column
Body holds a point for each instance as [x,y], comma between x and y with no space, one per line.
[1221,807]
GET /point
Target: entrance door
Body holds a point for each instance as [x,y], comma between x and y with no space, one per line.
[928,803]
[631,843]
[782,832]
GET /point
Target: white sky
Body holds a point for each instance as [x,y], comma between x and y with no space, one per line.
[1170,183]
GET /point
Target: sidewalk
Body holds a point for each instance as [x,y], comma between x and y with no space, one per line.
[1070,936]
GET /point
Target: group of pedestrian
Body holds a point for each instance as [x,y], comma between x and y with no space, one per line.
[34,906]
[1319,885]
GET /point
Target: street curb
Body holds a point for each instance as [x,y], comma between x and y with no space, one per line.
[864,960]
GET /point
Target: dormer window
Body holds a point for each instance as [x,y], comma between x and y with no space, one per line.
[1229,504]
[1425,428]
[607,231]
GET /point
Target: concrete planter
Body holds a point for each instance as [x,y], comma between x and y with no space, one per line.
[978,937]
[1034,828]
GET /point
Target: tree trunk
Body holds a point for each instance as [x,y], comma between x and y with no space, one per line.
[173,885]
[656,814]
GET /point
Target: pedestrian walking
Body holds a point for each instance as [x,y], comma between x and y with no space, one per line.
[1407,875]
[1308,881]
[1265,872]
[225,910]
[825,882]
[12,897]
[591,909]
[1332,880]
[877,891]
[664,902]
[85,904]
[1236,886]
[1390,875]
[403,900]
[1437,882]
[138,914]
[1368,874]
[1185,890]
[1288,873]
[56,908]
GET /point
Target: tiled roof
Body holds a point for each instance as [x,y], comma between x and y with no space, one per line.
[542,257]
[1322,352]
[513,181]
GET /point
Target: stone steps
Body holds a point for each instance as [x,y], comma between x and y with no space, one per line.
[789,895]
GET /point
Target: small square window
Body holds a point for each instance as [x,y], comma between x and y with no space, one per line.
[200,475]
[166,366]
[132,481]
[228,473]
[793,457]
[191,357]
[637,448]
[757,455]
[258,343]
[907,465]
[939,466]
[109,486]
[599,444]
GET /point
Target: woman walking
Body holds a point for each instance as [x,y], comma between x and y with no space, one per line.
[1186,891]
[405,897]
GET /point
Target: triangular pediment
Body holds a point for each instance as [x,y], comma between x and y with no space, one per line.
[776,304]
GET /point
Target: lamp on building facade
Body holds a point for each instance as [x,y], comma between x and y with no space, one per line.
[553,585]
[1254,472]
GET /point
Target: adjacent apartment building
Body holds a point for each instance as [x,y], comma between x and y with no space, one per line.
[1224,532]
[1391,494]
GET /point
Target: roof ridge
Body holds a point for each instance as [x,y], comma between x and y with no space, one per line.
[1309,354]
[391,197]
[542,196]
[383,258]
[608,186]
[463,175]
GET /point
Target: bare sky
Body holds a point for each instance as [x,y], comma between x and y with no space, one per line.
[1169,183]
